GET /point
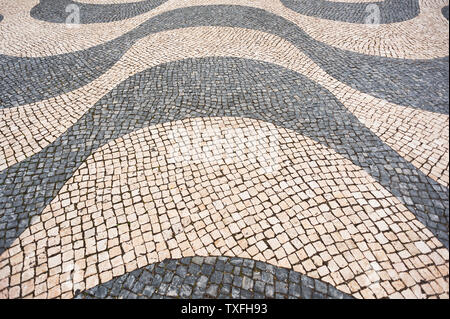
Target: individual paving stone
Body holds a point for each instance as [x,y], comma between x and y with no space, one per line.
[307,293]
[55,10]
[295,291]
[227,277]
[270,293]
[217,276]
[390,10]
[212,291]
[246,271]
[267,277]
[281,288]
[245,294]
[217,87]
[181,270]
[147,289]
[207,269]
[168,277]
[282,274]
[185,291]
[321,287]
[237,282]
[294,277]
[189,280]
[194,269]
[259,287]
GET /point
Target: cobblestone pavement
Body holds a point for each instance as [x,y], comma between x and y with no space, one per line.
[224,149]
[213,277]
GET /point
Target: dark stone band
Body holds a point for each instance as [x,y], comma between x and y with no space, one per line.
[391,11]
[55,10]
[213,277]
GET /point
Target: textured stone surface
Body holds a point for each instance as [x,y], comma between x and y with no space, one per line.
[55,10]
[154,96]
[306,147]
[390,10]
[212,277]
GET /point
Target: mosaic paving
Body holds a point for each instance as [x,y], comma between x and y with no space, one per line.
[213,277]
[224,149]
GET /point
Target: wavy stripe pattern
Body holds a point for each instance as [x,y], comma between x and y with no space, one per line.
[398,128]
[224,148]
[55,11]
[188,279]
[390,11]
[90,130]
[44,39]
